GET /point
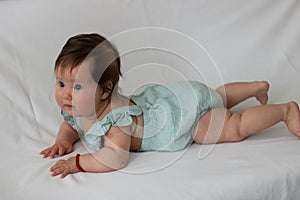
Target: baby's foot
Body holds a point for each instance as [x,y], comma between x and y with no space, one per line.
[292,118]
[262,92]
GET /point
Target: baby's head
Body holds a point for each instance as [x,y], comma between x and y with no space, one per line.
[105,67]
[87,71]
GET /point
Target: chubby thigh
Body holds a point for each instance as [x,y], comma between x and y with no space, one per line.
[216,126]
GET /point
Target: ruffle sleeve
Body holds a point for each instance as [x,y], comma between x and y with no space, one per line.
[119,117]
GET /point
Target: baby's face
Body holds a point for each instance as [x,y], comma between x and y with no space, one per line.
[76,92]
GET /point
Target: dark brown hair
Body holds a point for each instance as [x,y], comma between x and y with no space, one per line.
[106,60]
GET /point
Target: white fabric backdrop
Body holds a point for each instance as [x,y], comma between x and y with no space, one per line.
[160,41]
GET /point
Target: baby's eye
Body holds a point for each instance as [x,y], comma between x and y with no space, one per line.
[61,84]
[77,87]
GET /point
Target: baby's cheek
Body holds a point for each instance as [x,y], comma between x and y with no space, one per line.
[58,99]
[87,106]
[82,98]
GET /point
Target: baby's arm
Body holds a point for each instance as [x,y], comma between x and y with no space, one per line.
[65,139]
[113,156]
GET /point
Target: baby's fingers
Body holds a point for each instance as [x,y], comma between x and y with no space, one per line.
[64,174]
[60,168]
[54,151]
[56,169]
[45,152]
[62,151]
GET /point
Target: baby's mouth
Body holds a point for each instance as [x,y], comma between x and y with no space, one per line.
[68,106]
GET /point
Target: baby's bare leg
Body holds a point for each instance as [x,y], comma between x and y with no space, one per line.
[234,93]
[236,127]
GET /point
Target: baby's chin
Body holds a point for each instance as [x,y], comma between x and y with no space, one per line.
[70,112]
[74,113]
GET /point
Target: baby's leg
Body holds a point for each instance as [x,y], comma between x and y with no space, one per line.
[234,93]
[220,125]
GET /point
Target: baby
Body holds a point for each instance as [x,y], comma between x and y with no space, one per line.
[161,118]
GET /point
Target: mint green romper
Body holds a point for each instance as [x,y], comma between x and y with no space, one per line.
[170,114]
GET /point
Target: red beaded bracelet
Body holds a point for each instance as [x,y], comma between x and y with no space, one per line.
[77,163]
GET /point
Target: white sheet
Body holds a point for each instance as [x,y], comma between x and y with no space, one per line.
[213,41]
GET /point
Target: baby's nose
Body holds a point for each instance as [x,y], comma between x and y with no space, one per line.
[67,93]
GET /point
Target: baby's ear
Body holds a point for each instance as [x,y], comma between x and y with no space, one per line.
[106,89]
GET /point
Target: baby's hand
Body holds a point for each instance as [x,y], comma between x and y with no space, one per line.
[61,148]
[64,167]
